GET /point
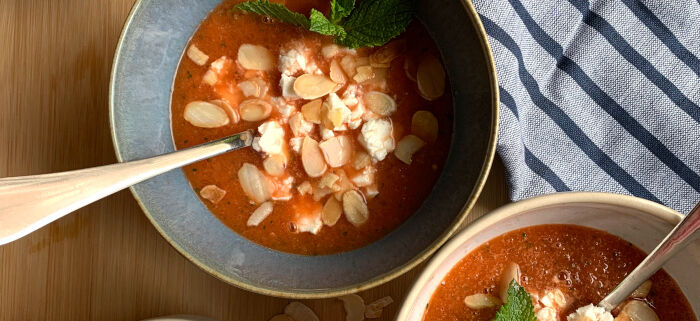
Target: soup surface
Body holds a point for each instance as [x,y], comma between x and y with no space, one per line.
[563,267]
[348,142]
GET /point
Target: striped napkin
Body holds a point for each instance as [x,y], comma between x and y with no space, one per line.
[599,96]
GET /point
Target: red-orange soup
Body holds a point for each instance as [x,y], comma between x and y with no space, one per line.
[583,263]
[396,189]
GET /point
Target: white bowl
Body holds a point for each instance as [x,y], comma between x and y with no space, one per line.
[641,222]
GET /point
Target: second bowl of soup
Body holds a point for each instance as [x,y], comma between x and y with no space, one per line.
[563,253]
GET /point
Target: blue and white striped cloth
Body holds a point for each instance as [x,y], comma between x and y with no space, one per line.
[599,96]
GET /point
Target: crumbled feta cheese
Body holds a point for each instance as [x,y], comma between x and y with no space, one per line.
[350,95]
[295,144]
[256,144]
[312,68]
[553,299]
[356,116]
[590,313]
[310,223]
[287,85]
[377,138]
[299,126]
[365,178]
[327,133]
[547,314]
[272,138]
[291,62]
[283,189]
[371,191]
[218,65]
[284,107]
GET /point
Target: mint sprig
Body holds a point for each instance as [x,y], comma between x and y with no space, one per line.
[371,23]
[274,10]
[518,307]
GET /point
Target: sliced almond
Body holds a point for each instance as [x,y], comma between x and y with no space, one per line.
[336,73]
[430,77]
[380,103]
[361,160]
[481,301]
[638,311]
[410,68]
[354,307]
[253,110]
[233,115]
[512,272]
[642,291]
[300,312]
[374,309]
[337,151]
[254,57]
[196,55]
[343,185]
[299,126]
[260,214]
[305,188]
[355,208]
[275,164]
[312,111]
[383,57]
[321,192]
[349,65]
[249,88]
[311,86]
[205,115]
[408,146]
[425,125]
[212,193]
[312,158]
[255,185]
[328,180]
[363,73]
[282,317]
[332,211]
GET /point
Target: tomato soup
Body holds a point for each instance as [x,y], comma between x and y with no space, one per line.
[563,267]
[348,142]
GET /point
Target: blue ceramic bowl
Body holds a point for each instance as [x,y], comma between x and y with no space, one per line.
[151,45]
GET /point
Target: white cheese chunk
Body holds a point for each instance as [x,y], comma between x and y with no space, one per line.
[299,126]
[272,138]
[310,223]
[287,85]
[284,107]
[590,313]
[377,138]
[291,62]
[295,144]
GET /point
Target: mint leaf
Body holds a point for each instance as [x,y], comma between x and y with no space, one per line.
[320,24]
[518,307]
[375,22]
[274,10]
[340,9]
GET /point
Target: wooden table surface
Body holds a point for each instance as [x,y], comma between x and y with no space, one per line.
[106,261]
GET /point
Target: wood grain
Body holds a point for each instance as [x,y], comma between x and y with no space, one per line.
[104,262]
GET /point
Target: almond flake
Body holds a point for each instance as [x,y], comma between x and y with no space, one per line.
[310,86]
[380,103]
[430,77]
[355,208]
[254,57]
[332,211]
[205,115]
[212,193]
[260,214]
[354,307]
[196,55]
[408,146]
[374,309]
[425,125]
[481,301]
[300,312]
[253,110]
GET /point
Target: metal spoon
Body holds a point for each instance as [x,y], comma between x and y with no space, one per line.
[680,236]
[30,202]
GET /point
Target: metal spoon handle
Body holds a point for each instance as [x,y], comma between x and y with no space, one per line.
[680,236]
[30,202]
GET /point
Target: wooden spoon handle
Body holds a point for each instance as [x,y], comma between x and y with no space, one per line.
[30,202]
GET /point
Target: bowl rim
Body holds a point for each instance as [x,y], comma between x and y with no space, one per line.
[377,280]
[654,209]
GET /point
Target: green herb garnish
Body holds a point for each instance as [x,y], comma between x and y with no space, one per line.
[371,23]
[518,307]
